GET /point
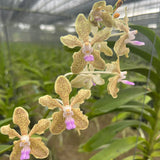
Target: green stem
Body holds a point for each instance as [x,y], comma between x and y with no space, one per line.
[153,136]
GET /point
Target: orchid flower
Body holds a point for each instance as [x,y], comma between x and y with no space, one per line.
[68,117]
[114,67]
[87,80]
[87,53]
[26,145]
[128,37]
[101,14]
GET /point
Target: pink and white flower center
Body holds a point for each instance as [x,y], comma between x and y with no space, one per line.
[123,77]
[87,50]
[131,37]
[25,144]
[69,121]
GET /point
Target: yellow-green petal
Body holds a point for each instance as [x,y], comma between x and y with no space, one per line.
[81,96]
[49,102]
[100,36]
[107,19]
[120,46]
[98,62]
[63,89]
[105,49]
[16,151]
[70,41]
[10,132]
[113,67]
[83,27]
[58,123]
[98,4]
[40,127]
[112,86]
[78,62]
[81,120]
[38,148]
[20,117]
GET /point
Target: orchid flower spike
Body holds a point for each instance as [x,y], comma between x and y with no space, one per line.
[26,145]
[87,53]
[68,117]
[114,67]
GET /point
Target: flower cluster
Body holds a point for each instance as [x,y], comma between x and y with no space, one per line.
[92,35]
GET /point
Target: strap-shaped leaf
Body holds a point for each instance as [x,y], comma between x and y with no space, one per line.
[150,34]
[106,135]
[107,103]
[117,148]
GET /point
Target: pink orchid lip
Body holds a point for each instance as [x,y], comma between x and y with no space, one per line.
[94,84]
[70,123]
[89,58]
[128,82]
[137,43]
[25,153]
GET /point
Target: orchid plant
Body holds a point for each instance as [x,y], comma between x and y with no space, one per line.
[88,64]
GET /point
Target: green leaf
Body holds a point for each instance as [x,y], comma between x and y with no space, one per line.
[27,82]
[146,56]
[106,135]
[34,71]
[117,148]
[4,148]
[153,76]
[108,104]
[5,121]
[150,34]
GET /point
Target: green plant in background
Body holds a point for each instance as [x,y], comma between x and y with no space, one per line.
[33,75]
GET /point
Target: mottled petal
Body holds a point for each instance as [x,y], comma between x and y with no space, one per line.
[120,46]
[81,120]
[101,35]
[108,9]
[58,123]
[83,27]
[20,117]
[10,132]
[113,67]
[16,151]
[107,19]
[40,127]
[112,86]
[103,48]
[98,80]
[81,96]
[38,148]
[99,4]
[49,102]
[98,62]
[78,62]
[63,89]
[70,41]
[79,81]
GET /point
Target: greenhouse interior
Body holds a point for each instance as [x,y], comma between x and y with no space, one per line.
[80,79]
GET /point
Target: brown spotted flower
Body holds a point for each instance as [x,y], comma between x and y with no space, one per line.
[112,88]
[101,14]
[68,117]
[87,53]
[26,145]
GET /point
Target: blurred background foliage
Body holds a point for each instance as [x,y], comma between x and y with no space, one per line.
[31,60]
